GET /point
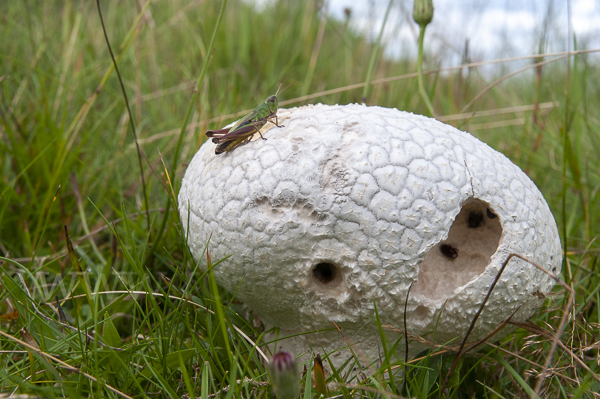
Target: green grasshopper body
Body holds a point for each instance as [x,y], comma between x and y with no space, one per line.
[242,132]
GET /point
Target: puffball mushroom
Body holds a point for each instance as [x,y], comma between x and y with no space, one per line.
[348,206]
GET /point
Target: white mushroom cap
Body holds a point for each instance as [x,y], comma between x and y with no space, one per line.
[347,206]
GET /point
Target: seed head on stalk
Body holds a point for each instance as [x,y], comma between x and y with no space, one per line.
[423,12]
[284,375]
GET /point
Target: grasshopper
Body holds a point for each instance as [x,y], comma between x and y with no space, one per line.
[228,139]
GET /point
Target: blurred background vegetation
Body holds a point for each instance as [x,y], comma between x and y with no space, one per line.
[68,158]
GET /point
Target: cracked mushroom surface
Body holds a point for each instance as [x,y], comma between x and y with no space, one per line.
[347,206]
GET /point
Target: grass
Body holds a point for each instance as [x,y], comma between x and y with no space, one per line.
[139,317]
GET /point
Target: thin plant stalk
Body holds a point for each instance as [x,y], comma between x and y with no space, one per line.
[315,54]
[186,120]
[422,91]
[135,139]
[72,132]
[374,53]
[188,113]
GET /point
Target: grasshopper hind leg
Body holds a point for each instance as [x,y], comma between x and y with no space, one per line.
[249,139]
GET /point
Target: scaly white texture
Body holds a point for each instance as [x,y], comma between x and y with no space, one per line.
[371,191]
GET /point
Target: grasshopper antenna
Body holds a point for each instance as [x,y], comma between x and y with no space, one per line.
[278,92]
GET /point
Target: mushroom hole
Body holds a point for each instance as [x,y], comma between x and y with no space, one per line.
[472,239]
[420,313]
[325,273]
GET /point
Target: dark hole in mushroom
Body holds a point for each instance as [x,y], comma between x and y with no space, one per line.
[491,214]
[325,272]
[464,253]
[449,251]
[475,218]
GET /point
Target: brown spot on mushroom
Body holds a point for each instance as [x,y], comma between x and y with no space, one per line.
[449,251]
[475,219]
[299,209]
[490,214]
[539,294]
